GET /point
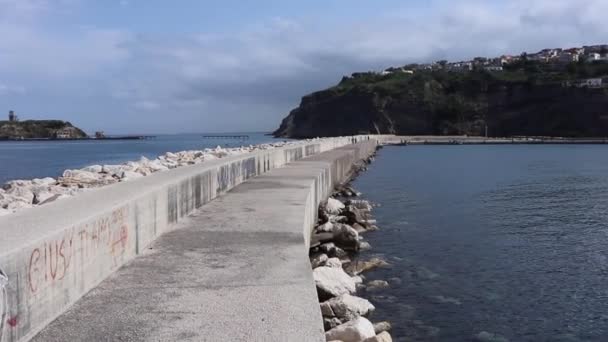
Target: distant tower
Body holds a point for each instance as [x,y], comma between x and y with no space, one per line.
[11,116]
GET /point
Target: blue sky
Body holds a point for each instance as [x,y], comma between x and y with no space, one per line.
[160,66]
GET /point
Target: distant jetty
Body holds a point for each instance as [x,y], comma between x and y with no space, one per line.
[226,136]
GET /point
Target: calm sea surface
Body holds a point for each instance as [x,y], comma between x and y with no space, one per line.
[510,240]
[25,160]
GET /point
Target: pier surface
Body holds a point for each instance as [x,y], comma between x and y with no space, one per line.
[235,270]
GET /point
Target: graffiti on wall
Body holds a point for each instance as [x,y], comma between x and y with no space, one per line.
[106,237]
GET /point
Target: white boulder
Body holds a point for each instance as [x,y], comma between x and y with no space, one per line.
[319,260]
[130,175]
[21,193]
[333,206]
[347,307]
[44,197]
[333,263]
[93,168]
[346,236]
[47,181]
[356,330]
[333,282]
[326,227]
[381,337]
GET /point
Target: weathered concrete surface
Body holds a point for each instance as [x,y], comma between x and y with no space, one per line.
[56,253]
[237,269]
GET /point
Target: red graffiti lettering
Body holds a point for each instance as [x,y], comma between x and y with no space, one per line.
[12,321]
[33,270]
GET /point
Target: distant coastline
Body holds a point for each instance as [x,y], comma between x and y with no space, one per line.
[14,129]
[127,137]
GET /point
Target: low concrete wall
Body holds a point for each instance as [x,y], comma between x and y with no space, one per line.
[248,246]
[56,253]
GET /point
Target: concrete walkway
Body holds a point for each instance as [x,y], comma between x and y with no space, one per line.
[236,270]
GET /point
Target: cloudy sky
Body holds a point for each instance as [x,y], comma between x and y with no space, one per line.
[162,66]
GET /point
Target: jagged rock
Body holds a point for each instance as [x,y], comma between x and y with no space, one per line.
[319,260]
[330,323]
[327,248]
[112,169]
[93,168]
[21,193]
[346,236]
[325,227]
[44,197]
[347,307]
[130,175]
[356,330]
[360,204]
[382,326]
[333,263]
[357,279]
[360,266]
[372,228]
[359,228]
[332,282]
[381,337]
[364,246]
[84,179]
[47,181]
[18,183]
[333,206]
[377,284]
[326,310]
[17,205]
[332,251]
[337,219]
[354,215]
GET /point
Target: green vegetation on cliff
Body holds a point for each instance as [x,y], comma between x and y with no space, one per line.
[527,98]
[39,129]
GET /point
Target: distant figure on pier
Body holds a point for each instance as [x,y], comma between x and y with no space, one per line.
[12,117]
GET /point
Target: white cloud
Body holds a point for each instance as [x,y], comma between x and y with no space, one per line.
[11,89]
[266,68]
[146,105]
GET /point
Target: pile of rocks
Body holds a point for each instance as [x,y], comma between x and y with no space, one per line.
[335,240]
[20,194]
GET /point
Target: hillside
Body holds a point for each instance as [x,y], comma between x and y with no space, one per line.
[39,129]
[527,98]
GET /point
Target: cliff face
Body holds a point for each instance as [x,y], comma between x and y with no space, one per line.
[30,129]
[441,103]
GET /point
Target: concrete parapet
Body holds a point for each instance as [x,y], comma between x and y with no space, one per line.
[54,254]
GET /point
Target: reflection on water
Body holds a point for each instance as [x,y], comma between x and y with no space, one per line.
[491,243]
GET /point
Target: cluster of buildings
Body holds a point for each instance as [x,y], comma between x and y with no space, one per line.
[590,54]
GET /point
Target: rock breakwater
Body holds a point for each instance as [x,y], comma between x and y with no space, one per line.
[18,195]
[336,240]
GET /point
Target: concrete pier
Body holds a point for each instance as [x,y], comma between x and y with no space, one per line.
[236,269]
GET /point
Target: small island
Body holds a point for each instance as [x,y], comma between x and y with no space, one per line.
[13,129]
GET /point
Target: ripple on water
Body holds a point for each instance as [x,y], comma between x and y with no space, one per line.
[509,241]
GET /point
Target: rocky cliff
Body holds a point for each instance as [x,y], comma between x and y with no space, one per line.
[39,129]
[518,101]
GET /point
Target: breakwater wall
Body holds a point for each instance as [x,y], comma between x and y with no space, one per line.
[54,254]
